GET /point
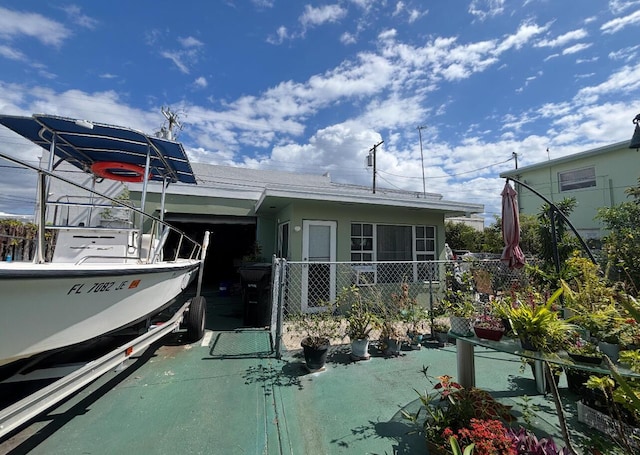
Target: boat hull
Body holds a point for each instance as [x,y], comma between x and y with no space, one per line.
[50,306]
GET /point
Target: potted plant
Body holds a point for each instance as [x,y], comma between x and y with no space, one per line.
[458,304]
[440,330]
[538,326]
[460,316]
[391,336]
[526,442]
[392,331]
[414,316]
[584,351]
[486,436]
[361,320]
[318,328]
[488,327]
[449,408]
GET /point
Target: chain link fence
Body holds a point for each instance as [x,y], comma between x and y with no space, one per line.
[306,287]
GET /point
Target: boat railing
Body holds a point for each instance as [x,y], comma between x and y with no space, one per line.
[90,211]
[148,245]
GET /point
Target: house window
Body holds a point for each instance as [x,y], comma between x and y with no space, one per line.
[394,243]
[361,242]
[425,250]
[576,179]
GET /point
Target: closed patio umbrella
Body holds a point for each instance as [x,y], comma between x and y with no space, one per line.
[512,255]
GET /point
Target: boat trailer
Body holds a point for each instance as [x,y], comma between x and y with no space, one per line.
[19,413]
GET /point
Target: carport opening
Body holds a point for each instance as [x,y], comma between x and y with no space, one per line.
[231,239]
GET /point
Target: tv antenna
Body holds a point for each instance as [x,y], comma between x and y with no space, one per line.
[166,132]
[424,186]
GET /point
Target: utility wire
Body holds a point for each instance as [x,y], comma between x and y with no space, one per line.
[448,175]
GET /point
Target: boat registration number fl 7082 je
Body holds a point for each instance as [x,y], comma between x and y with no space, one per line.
[79,288]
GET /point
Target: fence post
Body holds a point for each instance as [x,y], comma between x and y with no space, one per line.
[278,284]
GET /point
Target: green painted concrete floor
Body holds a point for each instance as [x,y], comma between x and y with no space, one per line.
[227,396]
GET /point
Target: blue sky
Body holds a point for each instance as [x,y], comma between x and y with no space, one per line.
[311,87]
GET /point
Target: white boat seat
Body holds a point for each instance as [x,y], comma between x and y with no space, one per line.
[103,245]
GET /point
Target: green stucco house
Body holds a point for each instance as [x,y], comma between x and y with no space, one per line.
[595,178]
[304,217]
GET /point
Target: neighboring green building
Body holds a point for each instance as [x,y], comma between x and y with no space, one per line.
[596,178]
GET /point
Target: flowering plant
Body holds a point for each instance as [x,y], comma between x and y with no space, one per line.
[583,347]
[453,407]
[488,437]
[488,321]
[526,442]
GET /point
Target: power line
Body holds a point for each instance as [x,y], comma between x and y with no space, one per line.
[449,175]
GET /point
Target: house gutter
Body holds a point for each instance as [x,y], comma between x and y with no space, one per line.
[445,206]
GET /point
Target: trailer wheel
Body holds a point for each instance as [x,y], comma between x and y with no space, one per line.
[195,318]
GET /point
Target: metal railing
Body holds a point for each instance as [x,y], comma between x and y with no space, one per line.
[305,287]
[145,245]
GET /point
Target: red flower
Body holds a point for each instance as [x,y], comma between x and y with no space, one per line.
[489,436]
[447,385]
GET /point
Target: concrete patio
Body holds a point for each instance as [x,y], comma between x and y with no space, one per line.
[226,395]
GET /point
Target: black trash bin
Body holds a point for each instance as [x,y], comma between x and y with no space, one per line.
[256,294]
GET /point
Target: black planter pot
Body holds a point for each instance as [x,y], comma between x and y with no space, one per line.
[576,380]
[527,344]
[586,359]
[315,356]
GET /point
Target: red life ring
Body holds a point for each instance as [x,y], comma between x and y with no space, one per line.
[114,170]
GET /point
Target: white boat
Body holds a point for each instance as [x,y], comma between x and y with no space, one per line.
[97,279]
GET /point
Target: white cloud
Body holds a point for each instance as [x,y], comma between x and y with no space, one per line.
[318,16]
[619,6]
[563,39]
[200,82]
[14,24]
[625,80]
[187,56]
[615,25]
[176,58]
[523,35]
[190,41]
[263,3]
[626,54]
[11,53]
[483,9]
[347,38]
[281,35]
[398,9]
[414,15]
[576,48]
[75,14]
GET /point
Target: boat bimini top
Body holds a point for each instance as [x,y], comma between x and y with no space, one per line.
[105,150]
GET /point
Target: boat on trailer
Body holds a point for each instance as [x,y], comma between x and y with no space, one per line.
[98,278]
